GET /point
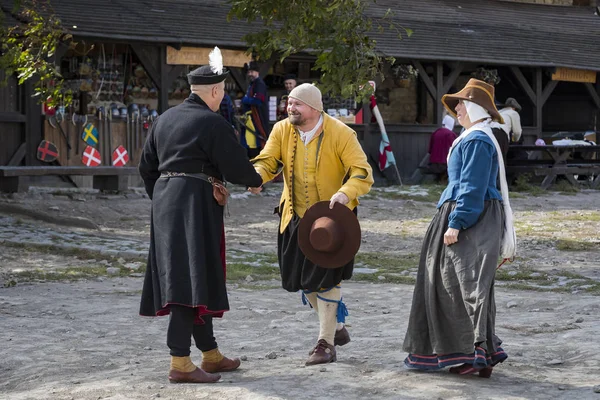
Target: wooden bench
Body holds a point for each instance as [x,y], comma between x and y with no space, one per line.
[554,161]
[104,178]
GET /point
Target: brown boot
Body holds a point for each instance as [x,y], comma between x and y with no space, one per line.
[342,337]
[323,353]
[225,365]
[196,376]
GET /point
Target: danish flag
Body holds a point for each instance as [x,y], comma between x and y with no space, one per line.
[91,157]
[120,157]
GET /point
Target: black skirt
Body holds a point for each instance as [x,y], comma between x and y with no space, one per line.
[297,271]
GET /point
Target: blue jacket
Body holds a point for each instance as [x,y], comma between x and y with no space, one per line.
[472,174]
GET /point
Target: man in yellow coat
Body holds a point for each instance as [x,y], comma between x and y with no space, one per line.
[321,159]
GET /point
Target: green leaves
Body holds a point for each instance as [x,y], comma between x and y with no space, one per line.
[28,50]
[336,32]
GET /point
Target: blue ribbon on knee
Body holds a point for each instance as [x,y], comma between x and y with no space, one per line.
[304,299]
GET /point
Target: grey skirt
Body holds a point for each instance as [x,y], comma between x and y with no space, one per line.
[453,309]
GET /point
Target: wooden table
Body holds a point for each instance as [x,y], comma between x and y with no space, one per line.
[556,161]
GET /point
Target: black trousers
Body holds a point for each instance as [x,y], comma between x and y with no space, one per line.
[182,328]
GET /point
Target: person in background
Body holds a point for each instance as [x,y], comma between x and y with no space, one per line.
[289,82]
[439,144]
[226,109]
[512,120]
[256,109]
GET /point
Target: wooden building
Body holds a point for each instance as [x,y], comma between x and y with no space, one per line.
[547,57]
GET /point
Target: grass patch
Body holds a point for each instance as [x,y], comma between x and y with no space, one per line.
[522,184]
[580,216]
[522,274]
[239,271]
[565,188]
[65,274]
[434,191]
[575,245]
[391,267]
[81,253]
[387,262]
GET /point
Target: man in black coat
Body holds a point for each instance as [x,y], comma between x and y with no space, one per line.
[189,149]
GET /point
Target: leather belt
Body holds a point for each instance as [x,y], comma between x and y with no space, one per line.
[197,175]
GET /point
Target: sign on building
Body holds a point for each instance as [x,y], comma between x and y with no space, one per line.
[199,56]
[574,75]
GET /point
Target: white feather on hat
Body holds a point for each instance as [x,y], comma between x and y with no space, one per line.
[215,60]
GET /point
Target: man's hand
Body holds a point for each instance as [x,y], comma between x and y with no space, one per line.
[339,197]
[451,236]
[255,190]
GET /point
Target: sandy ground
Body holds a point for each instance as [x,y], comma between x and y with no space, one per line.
[84,339]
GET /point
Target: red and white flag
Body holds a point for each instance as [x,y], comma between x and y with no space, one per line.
[386,155]
[91,157]
[120,157]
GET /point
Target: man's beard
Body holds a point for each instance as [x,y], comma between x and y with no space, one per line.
[296,119]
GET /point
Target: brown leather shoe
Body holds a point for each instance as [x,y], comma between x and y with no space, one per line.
[342,337]
[196,376]
[323,353]
[225,365]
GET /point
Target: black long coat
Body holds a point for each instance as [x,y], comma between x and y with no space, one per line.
[186,261]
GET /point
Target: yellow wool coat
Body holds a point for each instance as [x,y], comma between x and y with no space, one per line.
[339,156]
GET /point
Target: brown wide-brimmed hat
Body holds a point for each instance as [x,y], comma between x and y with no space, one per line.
[329,237]
[477,92]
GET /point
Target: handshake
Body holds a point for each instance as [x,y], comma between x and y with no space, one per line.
[255,190]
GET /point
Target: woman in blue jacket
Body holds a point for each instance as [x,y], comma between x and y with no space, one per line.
[452,320]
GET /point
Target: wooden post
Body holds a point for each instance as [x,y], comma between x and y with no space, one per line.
[524,84]
[439,92]
[163,89]
[239,79]
[33,126]
[453,77]
[539,103]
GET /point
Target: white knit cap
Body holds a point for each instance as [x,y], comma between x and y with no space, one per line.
[308,94]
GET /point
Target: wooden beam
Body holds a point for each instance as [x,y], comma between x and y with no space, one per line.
[12,117]
[539,105]
[175,71]
[548,91]
[425,77]
[18,156]
[163,84]
[524,84]
[33,126]
[593,93]
[149,62]
[439,87]
[265,67]
[239,79]
[453,77]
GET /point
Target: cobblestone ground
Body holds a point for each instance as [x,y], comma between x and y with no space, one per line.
[78,335]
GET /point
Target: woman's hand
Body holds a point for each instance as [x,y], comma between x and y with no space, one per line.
[451,236]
